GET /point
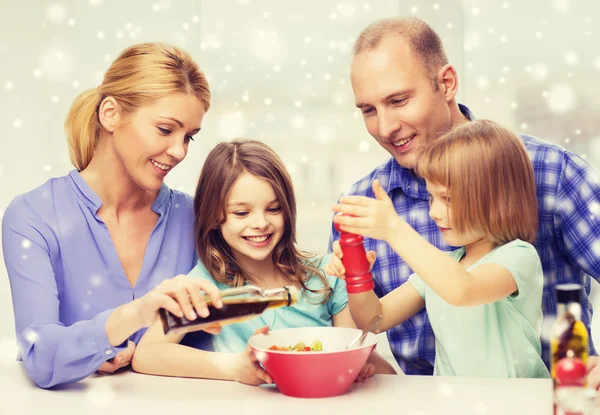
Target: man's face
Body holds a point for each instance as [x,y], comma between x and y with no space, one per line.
[401,109]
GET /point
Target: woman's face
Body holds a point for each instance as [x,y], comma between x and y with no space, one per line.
[153,140]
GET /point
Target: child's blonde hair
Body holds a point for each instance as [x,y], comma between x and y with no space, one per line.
[222,167]
[489,177]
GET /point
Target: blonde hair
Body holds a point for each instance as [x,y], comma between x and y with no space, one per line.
[223,165]
[489,177]
[142,74]
[422,40]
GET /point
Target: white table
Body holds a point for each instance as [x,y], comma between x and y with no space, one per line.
[131,393]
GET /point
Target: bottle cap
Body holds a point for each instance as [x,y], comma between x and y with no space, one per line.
[568,293]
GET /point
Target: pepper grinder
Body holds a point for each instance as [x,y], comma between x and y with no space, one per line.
[358,277]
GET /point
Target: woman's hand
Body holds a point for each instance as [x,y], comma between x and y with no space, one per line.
[182,296]
[120,361]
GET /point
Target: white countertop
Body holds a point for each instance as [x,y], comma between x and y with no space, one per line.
[131,393]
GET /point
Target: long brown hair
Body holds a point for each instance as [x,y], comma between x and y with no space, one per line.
[222,167]
[489,177]
[142,74]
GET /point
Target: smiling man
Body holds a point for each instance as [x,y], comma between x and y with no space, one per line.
[406,90]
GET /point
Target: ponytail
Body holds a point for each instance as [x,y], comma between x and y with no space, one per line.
[82,128]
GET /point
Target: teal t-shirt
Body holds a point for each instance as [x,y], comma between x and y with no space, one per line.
[233,338]
[500,339]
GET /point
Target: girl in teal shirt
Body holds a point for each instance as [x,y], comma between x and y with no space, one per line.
[245,227]
[484,299]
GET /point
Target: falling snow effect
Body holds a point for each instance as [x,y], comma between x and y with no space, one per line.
[56,13]
[31,336]
[233,125]
[446,390]
[96,281]
[289,84]
[561,98]
[57,63]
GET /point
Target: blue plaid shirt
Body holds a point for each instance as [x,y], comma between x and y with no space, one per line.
[568,239]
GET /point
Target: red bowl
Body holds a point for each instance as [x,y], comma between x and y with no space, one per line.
[313,374]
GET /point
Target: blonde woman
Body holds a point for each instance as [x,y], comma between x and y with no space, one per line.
[89,254]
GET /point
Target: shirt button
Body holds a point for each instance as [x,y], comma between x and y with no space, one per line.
[108,352]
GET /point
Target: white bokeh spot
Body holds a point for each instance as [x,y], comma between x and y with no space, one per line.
[446,390]
[96,280]
[561,5]
[472,40]
[31,336]
[347,10]
[232,124]
[266,46]
[538,71]
[482,82]
[298,121]
[261,356]
[26,244]
[56,12]
[364,146]
[210,42]
[561,98]
[571,58]
[324,134]
[57,63]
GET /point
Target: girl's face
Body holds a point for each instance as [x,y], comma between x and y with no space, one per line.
[254,223]
[152,141]
[441,213]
